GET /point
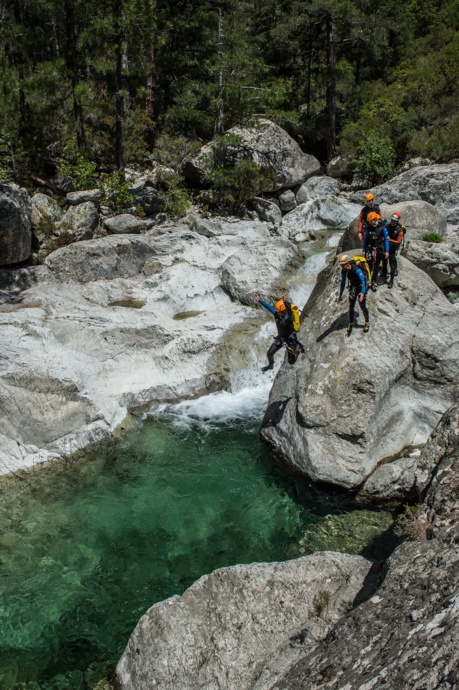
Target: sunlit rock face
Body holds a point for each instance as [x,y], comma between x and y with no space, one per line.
[405,636]
[266,144]
[91,334]
[351,402]
[242,627]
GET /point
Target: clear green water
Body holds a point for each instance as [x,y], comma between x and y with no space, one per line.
[87,547]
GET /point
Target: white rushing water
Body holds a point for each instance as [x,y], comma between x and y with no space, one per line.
[247,399]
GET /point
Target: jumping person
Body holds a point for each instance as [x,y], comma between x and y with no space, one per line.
[396,233]
[375,245]
[357,283]
[369,207]
[286,334]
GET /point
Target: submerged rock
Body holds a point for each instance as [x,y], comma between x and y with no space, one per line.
[349,403]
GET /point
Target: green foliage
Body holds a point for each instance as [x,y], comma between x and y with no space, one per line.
[173,151]
[178,199]
[411,524]
[115,191]
[433,237]
[6,161]
[74,165]
[375,162]
[235,186]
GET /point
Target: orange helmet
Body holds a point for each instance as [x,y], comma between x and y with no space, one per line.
[343,259]
[369,197]
[373,216]
[280,305]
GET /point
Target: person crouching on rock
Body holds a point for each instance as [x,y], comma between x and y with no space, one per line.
[357,285]
[286,334]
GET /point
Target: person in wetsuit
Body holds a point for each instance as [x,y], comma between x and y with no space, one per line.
[369,207]
[286,334]
[396,232]
[357,285]
[375,245]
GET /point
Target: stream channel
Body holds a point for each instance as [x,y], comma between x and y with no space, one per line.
[87,546]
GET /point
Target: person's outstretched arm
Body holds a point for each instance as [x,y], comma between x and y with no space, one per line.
[266,305]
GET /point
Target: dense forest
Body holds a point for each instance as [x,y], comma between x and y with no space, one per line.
[125,82]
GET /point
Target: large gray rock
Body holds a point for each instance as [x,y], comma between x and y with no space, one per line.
[317,187]
[226,630]
[287,201]
[75,198]
[80,221]
[349,403]
[15,224]
[124,223]
[439,261]
[438,184]
[393,481]
[320,213]
[47,206]
[266,144]
[267,210]
[405,636]
[145,195]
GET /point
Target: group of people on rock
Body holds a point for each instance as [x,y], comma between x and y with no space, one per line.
[382,240]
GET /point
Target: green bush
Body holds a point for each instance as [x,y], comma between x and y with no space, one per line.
[376,156]
[115,191]
[6,161]
[74,165]
[234,186]
[433,237]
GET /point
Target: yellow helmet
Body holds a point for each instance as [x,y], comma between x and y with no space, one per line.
[280,305]
[343,259]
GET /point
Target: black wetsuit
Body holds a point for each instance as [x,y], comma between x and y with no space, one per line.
[375,244]
[356,284]
[286,335]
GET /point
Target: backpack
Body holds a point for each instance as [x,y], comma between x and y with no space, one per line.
[362,263]
[296,317]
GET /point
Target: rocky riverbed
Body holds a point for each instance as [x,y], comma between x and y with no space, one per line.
[108,325]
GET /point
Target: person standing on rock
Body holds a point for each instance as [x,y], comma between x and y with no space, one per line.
[369,207]
[357,284]
[395,232]
[286,335]
[375,245]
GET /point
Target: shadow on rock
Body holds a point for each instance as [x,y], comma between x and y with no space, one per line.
[275,412]
[338,324]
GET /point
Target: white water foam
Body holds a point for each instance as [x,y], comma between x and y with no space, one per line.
[216,409]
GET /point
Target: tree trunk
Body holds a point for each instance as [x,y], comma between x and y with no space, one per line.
[119,101]
[220,120]
[331,87]
[151,84]
[74,70]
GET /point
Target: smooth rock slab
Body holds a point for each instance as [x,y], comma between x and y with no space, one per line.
[221,633]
